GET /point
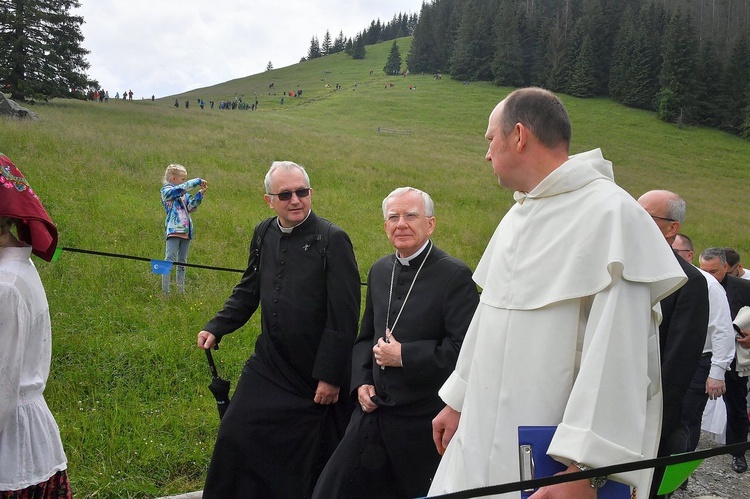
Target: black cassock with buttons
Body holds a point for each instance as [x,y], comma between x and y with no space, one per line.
[389,452]
[274,439]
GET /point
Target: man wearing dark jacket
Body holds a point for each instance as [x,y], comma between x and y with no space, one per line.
[713,261]
[419,304]
[682,332]
[284,418]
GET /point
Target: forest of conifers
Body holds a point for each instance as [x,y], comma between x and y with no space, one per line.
[689,60]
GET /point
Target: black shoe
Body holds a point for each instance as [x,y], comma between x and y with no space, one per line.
[739,464]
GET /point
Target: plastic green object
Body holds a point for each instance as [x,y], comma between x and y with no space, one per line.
[675,474]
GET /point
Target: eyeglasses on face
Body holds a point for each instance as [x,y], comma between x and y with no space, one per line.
[287,195]
[662,218]
[408,218]
[681,250]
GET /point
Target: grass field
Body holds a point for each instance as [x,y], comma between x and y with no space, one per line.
[128,387]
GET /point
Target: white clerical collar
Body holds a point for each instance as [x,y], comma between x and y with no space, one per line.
[405,261]
[288,230]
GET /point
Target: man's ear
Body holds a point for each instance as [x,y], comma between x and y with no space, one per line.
[520,137]
[673,230]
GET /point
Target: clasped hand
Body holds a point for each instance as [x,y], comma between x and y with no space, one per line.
[387,354]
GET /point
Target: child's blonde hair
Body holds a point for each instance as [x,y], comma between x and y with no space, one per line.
[172,169]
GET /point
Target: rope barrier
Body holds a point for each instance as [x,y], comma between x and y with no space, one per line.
[144,259]
[659,462]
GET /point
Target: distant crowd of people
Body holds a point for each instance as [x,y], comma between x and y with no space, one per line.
[236,103]
[101,95]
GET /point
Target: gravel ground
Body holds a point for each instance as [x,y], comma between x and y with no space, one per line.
[715,478]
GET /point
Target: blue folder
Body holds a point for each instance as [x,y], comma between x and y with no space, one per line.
[533,442]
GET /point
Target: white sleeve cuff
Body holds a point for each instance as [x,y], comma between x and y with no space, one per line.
[717,372]
[453,391]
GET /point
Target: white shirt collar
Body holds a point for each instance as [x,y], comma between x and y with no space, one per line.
[405,261]
[288,230]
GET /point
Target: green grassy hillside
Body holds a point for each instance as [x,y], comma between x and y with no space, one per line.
[128,386]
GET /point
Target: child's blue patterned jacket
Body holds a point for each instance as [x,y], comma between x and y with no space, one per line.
[179,204]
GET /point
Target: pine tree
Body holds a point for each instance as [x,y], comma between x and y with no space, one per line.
[325,47]
[539,66]
[314,50]
[677,76]
[339,44]
[572,50]
[708,79]
[507,65]
[583,82]
[358,47]
[40,49]
[473,51]
[374,33]
[556,51]
[641,79]
[393,64]
[423,55]
[596,27]
[734,86]
[622,57]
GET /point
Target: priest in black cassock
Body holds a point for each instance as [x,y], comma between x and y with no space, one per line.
[287,415]
[420,301]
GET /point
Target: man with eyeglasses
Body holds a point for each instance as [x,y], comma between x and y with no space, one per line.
[683,245]
[718,351]
[290,405]
[565,334]
[714,261]
[419,303]
[682,332]
[735,264]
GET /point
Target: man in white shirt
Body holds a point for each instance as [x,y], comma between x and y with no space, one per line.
[714,261]
[718,352]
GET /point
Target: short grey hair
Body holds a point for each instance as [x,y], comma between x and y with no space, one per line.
[711,253]
[676,208]
[427,203]
[286,166]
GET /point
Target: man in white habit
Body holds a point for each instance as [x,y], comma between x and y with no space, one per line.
[566,331]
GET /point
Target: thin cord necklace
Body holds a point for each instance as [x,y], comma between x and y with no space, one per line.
[389,332]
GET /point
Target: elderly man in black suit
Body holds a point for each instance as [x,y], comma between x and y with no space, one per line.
[419,304]
[682,332]
[714,261]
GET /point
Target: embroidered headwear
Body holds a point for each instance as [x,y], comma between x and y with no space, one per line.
[19,201]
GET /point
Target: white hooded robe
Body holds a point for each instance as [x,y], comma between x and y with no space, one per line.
[566,333]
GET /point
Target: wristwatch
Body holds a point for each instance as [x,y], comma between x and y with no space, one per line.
[597,482]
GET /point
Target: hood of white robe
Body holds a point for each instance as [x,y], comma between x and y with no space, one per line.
[570,236]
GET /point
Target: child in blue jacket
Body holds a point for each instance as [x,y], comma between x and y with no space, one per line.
[179,204]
